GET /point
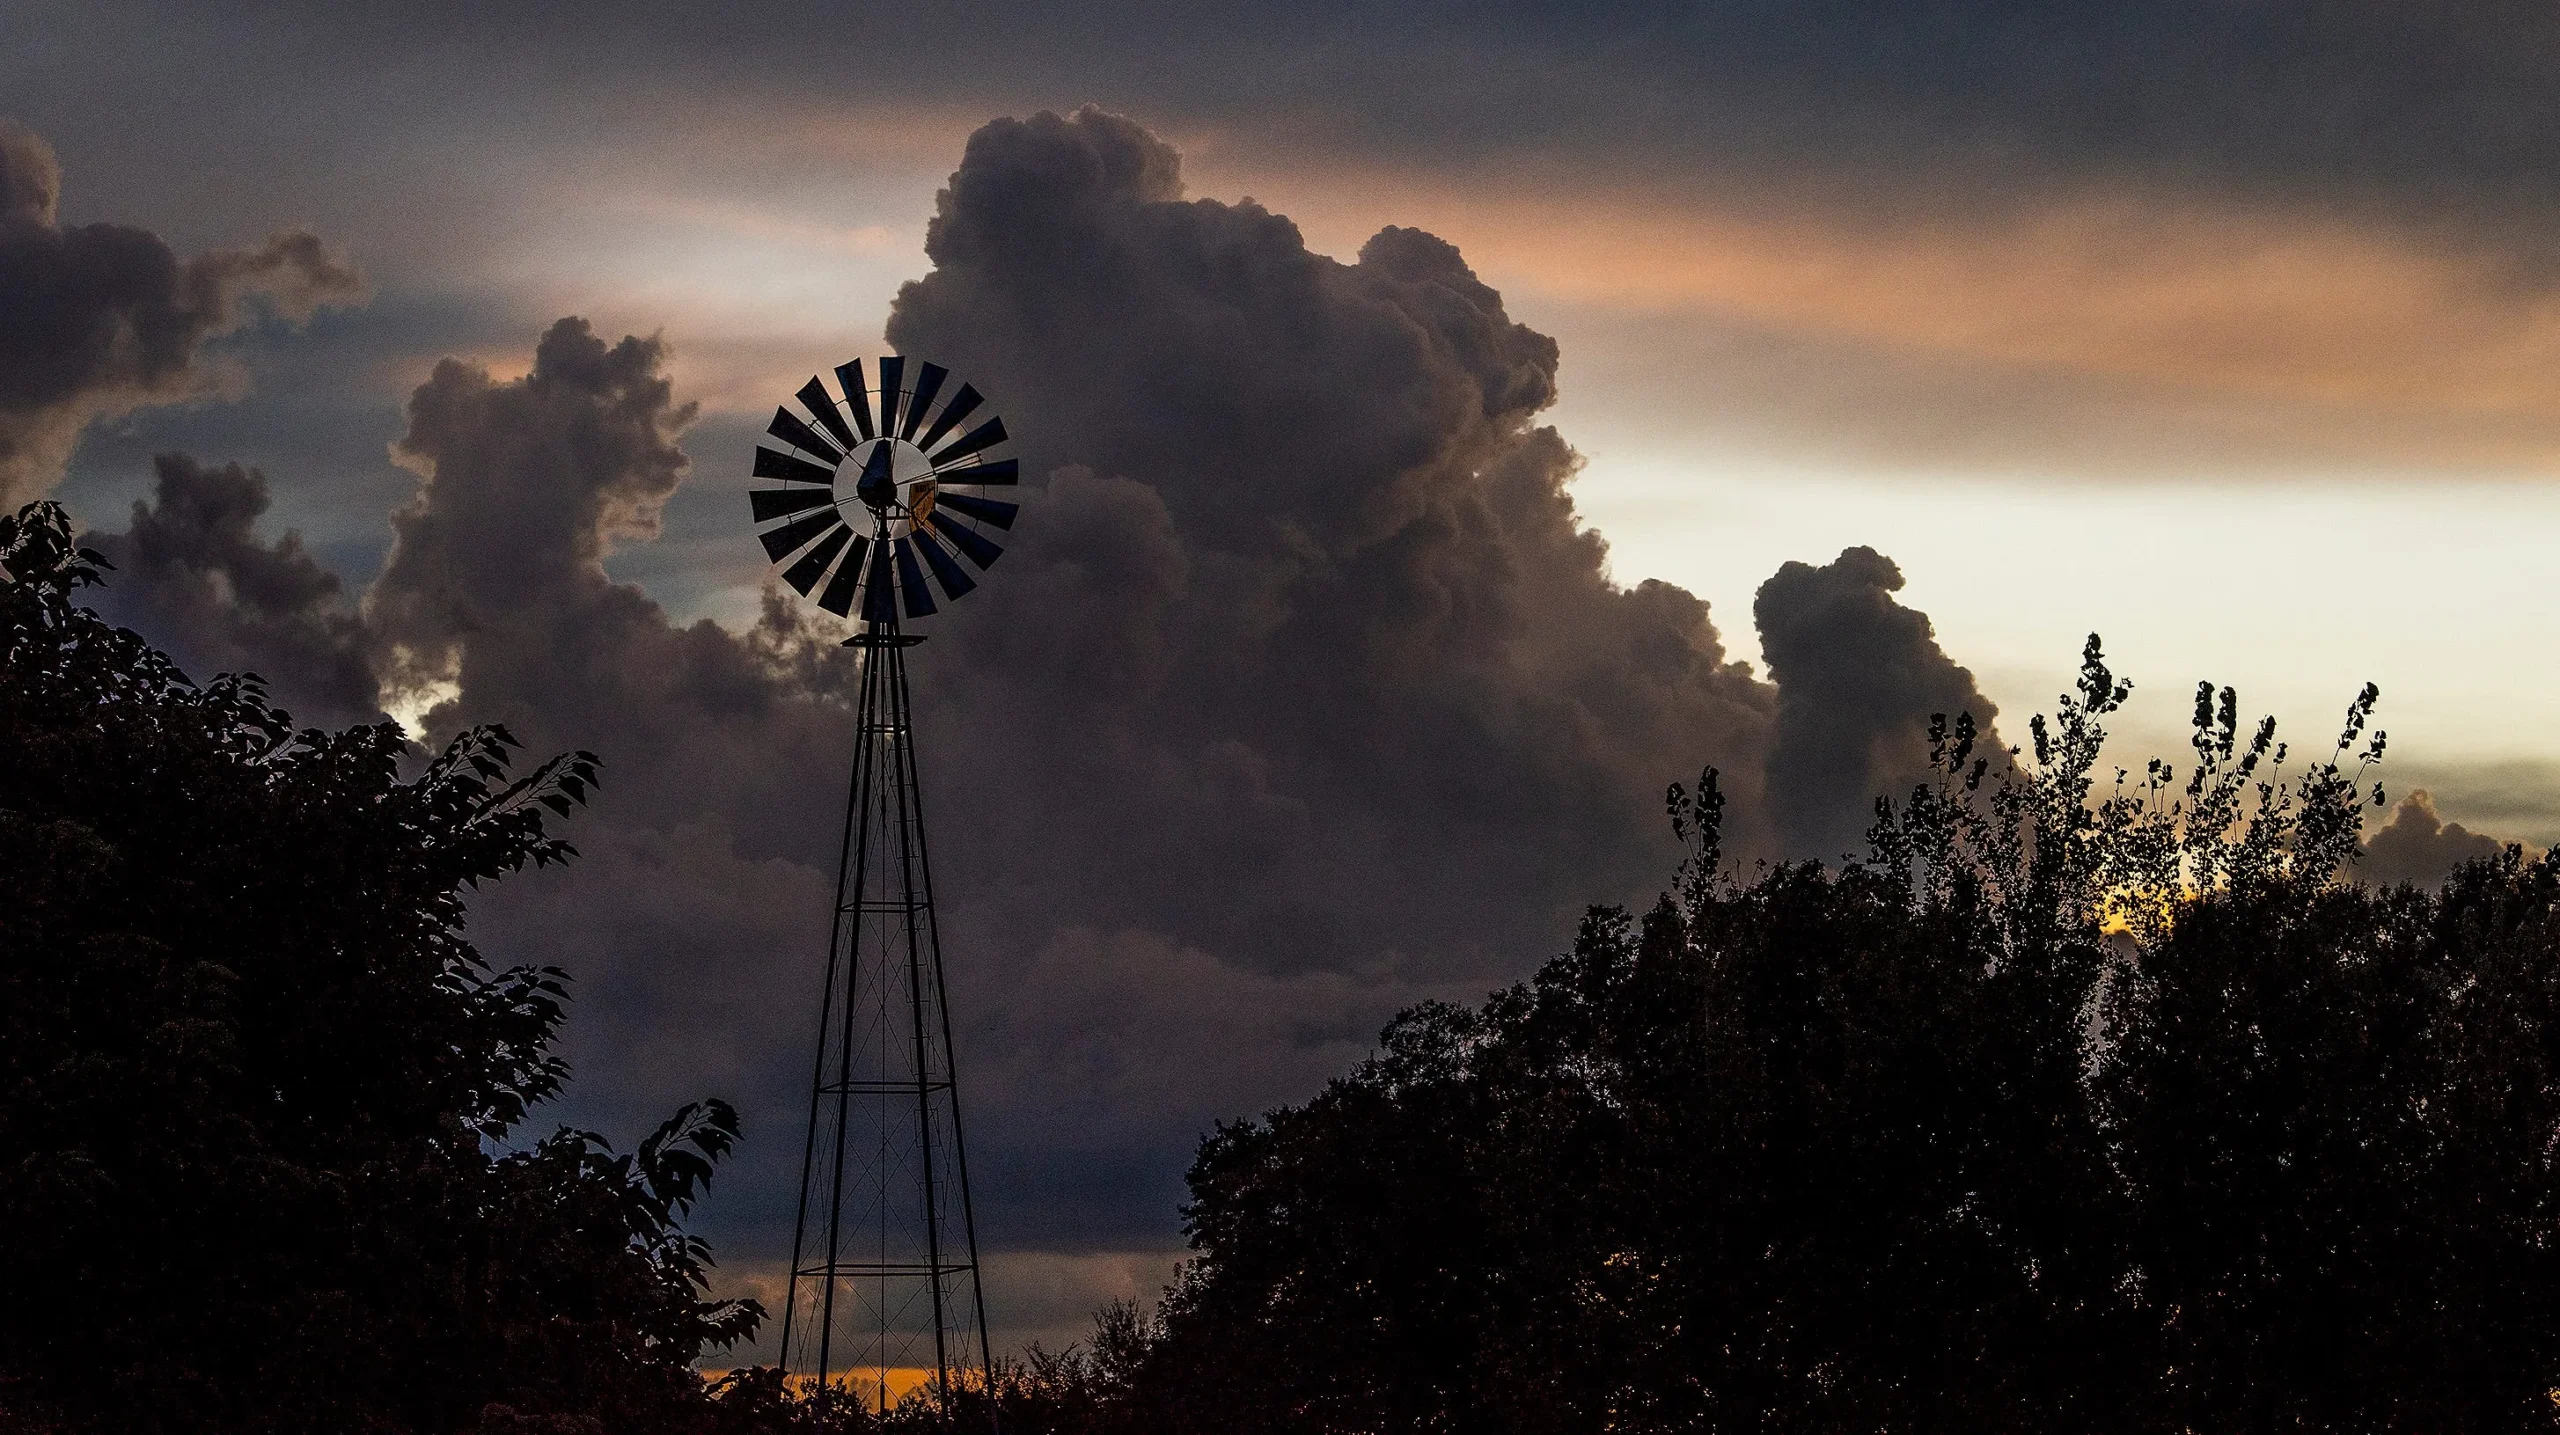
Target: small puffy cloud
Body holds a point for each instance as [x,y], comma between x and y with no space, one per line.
[2418,846]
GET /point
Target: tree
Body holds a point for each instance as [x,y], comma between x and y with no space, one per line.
[256,1085]
[2076,1105]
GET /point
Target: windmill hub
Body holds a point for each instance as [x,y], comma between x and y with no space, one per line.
[890,475]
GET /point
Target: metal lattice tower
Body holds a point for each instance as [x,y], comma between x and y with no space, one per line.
[886,1295]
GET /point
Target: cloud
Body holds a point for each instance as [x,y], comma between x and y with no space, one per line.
[2426,108]
[495,599]
[2121,326]
[1395,651]
[2124,244]
[2120,241]
[2418,846]
[695,923]
[192,574]
[1302,695]
[1859,676]
[102,319]
[1120,1034]
[2517,794]
[530,483]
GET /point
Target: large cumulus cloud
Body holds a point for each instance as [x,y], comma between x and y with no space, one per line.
[1303,693]
[1384,665]
[2418,846]
[100,319]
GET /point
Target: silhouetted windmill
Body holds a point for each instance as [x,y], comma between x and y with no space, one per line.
[884,1260]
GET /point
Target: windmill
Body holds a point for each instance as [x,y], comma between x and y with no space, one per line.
[871,492]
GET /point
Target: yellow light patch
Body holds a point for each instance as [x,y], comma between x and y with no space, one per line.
[864,1386]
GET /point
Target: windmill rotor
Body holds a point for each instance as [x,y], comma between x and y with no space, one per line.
[876,499]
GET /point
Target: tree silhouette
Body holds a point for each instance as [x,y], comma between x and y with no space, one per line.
[2079,1104]
[255,1083]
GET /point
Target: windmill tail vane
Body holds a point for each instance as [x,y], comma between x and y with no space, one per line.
[875,501]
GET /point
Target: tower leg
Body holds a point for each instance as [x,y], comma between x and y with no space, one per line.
[885,1287]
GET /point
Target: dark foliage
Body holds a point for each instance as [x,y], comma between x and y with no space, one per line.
[255,1084]
[2074,1107]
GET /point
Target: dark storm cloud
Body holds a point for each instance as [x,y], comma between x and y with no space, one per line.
[1300,697]
[495,598]
[1384,667]
[2276,235]
[1859,676]
[2434,112]
[2420,847]
[532,482]
[690,920]
[100,319]
[191,572]
[1302,694]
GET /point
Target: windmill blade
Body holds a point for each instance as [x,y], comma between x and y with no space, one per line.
[984,436]
[976,546]
[911,580]
[787,427]
[857,396]
[773,503]
[963,404]
[787,540]
[928,383]
[893,371]
[985,510]
[878,607]
[804,575]
[954,579]
[821,405]
[839,595]
[985,475]
[772,463]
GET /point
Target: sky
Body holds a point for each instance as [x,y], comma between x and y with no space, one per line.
[1451,424]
